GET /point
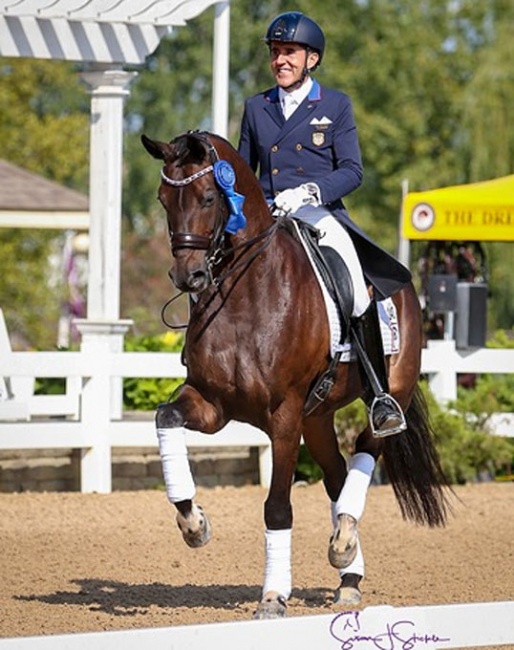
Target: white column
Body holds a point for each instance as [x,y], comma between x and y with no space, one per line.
[109,87]
[102,332]
[101,394]
[220,73]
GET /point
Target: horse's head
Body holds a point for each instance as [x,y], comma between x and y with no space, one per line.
[202,207]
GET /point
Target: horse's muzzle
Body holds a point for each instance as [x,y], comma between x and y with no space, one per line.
[190,281]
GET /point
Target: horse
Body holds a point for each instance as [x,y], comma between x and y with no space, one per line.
[256,343]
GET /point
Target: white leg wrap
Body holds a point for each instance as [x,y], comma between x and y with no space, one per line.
[277,575]
[175,464]
[352,499]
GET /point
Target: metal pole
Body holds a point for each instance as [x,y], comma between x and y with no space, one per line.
[403,244]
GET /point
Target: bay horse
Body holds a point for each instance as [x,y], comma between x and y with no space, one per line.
[256,343]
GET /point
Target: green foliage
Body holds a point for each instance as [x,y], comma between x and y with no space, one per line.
[501,339]
[145,394]
[44,127]
[306,469]
[464,443]
[349,422]
[44,119]
[466,448]
[490,394]
[30,301]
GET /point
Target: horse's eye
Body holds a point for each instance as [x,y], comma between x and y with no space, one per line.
[208,200]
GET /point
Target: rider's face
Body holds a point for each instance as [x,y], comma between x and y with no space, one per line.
[287,61]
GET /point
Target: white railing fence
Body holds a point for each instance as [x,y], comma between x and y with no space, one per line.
[90,417]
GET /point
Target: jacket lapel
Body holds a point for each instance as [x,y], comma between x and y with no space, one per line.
[303,111]
[273,108]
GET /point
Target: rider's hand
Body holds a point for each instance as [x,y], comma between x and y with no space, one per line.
[289,201]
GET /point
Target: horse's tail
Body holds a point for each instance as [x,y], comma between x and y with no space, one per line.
[414,469]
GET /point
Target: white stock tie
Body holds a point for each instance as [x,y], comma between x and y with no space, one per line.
[289,105]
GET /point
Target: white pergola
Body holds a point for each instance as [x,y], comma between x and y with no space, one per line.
[107,34]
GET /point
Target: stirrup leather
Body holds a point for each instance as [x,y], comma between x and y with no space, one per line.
[402,424]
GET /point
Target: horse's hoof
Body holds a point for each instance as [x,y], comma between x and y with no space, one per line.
[347,596]
[270,608]
[343,543]
[348,593]
[196,528]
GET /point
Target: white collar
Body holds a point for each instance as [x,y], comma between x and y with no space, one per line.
[298,95]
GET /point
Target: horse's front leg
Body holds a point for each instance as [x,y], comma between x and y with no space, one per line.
[171,419]
[278,517]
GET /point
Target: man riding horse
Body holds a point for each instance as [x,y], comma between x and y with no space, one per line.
[303,140]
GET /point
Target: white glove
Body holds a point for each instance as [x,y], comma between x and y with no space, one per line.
[289,201]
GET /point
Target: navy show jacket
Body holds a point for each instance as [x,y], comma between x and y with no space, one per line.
[317,144]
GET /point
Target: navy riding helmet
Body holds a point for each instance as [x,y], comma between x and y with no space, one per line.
[295,27]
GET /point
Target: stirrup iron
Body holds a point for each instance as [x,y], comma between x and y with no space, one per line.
[402,424]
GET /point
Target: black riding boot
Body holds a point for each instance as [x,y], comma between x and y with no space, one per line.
[386,416]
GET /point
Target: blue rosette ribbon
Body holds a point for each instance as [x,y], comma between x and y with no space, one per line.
[225,177]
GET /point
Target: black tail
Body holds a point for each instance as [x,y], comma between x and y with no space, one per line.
[413,467]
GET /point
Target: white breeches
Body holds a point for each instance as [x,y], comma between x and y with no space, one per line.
[335,236]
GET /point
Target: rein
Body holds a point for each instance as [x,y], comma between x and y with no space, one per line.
[218,280]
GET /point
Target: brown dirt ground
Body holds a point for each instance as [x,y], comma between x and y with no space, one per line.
[72,562]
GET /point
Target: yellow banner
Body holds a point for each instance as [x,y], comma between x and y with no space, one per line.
[476,212]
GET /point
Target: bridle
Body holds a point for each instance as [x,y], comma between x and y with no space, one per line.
[217,250]
[181,240]
[215,245]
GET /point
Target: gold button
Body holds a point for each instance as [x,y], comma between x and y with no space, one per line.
[275,171]
[274,148]
[299,147]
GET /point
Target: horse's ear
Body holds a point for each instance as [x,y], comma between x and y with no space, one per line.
[159,150]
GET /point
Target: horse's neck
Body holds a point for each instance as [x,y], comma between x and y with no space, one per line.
[259,219]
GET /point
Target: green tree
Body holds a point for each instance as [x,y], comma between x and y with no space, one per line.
[431,83]
[43,128]
[44,119]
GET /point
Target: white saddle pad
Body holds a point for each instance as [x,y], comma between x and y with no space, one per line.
[387,315]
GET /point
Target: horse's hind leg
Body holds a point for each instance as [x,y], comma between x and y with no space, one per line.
[346,488]
[180,487]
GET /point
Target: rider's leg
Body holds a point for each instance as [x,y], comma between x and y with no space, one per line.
[385,414]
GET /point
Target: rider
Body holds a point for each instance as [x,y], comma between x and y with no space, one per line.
[303,139]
